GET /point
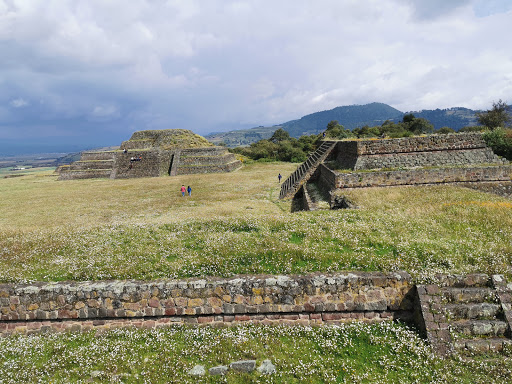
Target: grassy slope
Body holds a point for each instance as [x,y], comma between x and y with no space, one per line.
[233,223]
[91,229]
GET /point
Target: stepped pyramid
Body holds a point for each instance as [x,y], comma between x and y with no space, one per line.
[462,158]
[153,153]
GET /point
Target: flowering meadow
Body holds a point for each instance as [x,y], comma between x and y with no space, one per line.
[352,353]
[234,224]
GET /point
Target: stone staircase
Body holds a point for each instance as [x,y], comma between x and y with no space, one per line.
[206,160]
[469,314]
[91,165]
[302,174]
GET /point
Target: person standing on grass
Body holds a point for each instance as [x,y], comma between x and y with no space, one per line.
[189,190]
[279,177]
[183,190]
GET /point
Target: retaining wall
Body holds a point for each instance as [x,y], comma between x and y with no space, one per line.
[419,176]
[435,150]
[66,174]
[310,299]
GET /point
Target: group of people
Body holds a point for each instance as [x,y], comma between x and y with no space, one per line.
[186,190]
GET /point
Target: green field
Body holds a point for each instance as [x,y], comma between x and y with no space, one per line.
[234,223]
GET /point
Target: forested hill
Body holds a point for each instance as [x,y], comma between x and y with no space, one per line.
[455,118]
[350,117]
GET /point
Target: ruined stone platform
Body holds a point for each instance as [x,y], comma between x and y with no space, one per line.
[461,158]
[153,153]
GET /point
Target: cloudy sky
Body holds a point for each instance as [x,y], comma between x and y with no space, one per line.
[90,72]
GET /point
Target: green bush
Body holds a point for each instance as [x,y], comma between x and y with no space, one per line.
[445,130]
[473,128]
[500,140]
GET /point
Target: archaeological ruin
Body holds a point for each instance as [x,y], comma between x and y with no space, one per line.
[153,153]
[453,312]
[462,158]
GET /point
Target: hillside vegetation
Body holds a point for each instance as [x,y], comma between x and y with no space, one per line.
[351,117]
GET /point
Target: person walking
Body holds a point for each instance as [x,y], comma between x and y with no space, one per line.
[189,190]
[279,177]
[183,190]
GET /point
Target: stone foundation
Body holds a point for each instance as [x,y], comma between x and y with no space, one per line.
[335,180]
[455,312]
[310,299]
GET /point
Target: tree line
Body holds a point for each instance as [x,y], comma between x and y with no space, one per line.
[494,123]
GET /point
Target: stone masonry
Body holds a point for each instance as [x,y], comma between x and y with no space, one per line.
[434,159]
[455,312]
[311,299]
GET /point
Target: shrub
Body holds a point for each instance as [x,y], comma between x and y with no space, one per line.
[500,140]
[445,130]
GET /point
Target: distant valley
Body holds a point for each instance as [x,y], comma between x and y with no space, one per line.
[350,117]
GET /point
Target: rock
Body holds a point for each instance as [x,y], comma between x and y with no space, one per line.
[198,370]
[243,365]
[342,202]
[267,368]
[219,370]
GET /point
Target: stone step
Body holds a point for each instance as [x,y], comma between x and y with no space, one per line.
[100,155]
[472,280]
[483,345]
[468,295]
[205,151]
[85,174]
[207,160]
[480,327]
[91,164]
[472,311]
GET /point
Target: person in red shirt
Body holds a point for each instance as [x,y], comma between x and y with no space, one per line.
[183,190]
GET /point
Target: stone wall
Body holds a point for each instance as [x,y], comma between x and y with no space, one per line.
[457,141]
[316,298]
[65,174]
[152,163]
[418,176]
[435,150]
[97,155]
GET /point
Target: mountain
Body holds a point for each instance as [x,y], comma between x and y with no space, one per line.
[455,118]
[352,116]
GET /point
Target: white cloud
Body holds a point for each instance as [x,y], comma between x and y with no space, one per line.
[18,103]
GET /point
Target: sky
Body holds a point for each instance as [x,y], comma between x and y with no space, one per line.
[84,73]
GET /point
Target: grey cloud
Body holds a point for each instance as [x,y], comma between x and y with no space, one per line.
[108,68]
[432,9]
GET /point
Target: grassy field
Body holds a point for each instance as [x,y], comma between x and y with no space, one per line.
[234,223]
[354,353]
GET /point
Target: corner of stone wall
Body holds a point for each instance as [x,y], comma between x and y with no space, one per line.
[430,320]
[504,295]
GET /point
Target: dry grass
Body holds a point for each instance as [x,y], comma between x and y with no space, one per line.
[234,223]
[38,202]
